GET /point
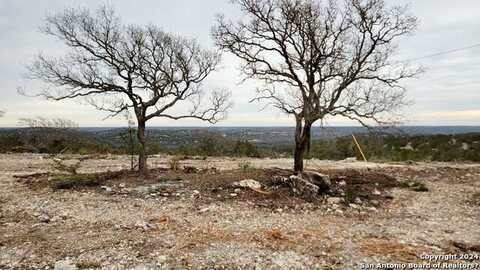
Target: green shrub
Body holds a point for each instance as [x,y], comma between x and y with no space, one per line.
[414,185]
[245,166]
[88,265]
[174,163]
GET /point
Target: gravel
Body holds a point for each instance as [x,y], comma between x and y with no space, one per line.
[43,229]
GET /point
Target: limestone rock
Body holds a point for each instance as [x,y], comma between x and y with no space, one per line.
[334,200]
[303,188]
[322,181]
[66,264]
[248,183]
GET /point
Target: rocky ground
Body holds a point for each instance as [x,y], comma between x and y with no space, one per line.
[198,220]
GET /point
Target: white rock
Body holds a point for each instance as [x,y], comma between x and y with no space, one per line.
[162,259]
[144,266]
[233,194]
[122,185]
[376,192]
[354,206]
[248,183]
[334,200]
[66,264]
[375,202]
[408,147]
[143,225]
[44,218]
[107,189]
[206,209]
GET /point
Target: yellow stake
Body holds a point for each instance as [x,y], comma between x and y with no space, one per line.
[359,148]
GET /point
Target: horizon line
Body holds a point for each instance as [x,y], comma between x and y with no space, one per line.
[280,126]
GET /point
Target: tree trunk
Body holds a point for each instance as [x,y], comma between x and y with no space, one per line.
[142,155]
[302,143]
[132,148]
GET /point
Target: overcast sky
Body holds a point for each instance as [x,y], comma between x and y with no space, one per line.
[447,94]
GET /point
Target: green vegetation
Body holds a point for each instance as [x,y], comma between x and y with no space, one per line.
[88,265]
[350,195]
[460,147]
[246,166]
[60,165]
[174,163]
[414,185]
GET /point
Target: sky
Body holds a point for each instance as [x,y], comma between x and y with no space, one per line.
[448,93]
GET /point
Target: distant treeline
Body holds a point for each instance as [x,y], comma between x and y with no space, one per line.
[461,147]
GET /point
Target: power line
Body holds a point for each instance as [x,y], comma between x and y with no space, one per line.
[443,53]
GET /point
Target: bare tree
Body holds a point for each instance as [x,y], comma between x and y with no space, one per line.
[45,123]
[321,58]
[118,67]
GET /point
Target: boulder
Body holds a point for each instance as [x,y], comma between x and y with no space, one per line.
[302,187]
[322,181]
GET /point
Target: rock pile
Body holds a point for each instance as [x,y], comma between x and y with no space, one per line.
[307,185]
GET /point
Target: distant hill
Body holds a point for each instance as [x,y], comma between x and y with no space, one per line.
[180,135]
[176,136]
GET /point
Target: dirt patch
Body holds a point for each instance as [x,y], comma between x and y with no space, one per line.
[353,186]
[69,181]
[393,250]
[365,185]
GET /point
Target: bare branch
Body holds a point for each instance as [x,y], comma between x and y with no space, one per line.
[319,58]
[117,67]
[45,123]
[319,52]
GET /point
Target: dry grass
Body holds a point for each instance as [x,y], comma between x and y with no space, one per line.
[394,251]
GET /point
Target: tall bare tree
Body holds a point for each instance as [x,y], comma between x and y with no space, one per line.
[118,67]
[321,58]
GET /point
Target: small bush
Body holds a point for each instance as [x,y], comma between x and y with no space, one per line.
[414,185]
[350,196]
[174,164]
[60,165]
[245,166]
[420,187]
[88,265]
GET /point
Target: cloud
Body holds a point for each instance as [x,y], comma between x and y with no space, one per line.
[463,117]
[448,93]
